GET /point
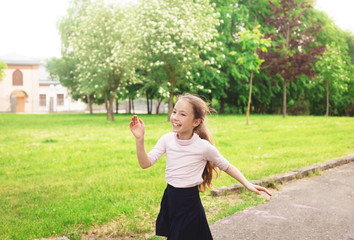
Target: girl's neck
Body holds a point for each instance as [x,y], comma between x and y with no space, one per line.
[184,136]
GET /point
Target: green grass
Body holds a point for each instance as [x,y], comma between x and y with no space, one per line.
[76,174]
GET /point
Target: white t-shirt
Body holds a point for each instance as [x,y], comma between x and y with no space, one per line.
[186,159]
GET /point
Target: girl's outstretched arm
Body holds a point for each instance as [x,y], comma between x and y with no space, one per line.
[138,129]
[235,173]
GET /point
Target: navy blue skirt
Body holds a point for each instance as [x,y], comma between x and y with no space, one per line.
[182,215]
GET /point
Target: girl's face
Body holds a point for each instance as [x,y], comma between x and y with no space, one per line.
[182,119]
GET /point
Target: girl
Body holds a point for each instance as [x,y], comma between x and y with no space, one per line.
[191,159]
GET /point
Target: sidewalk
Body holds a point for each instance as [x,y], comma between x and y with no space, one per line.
[316,208]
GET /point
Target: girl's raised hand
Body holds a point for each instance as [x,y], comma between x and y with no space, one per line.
[137,127]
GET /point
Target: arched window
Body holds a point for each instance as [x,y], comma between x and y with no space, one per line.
[17,78]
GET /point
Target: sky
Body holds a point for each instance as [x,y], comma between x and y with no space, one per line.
[29,27]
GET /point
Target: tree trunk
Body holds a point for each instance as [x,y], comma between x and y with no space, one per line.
[327,107]
[170,105]
[249,100]
[109,106]
[263,108]
[284,98]
[133,105]
[130,106]
[158,105]
[149,106]
[286,57]
[105,100]
[222,105]
[117,106]
[89,101]
[148,103]
[110,114]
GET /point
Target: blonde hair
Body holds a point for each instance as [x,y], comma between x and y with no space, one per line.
[200,110]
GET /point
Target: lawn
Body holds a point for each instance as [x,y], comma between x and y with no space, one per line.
[77,175]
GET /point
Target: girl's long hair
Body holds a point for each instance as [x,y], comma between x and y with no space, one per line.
[201,110]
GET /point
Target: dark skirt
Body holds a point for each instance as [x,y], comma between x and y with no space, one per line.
[182,215]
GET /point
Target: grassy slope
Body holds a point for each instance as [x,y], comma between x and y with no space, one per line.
[62,174]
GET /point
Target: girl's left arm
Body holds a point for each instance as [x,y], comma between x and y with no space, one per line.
[235,173]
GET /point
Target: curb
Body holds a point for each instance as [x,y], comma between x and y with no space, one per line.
[58,238]
[286,177]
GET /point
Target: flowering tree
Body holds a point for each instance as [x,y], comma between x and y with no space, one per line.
[212,79]
[64,68]
[173,33]
[103,44]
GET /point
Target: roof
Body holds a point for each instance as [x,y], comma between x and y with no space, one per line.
[49,82]
[18,59]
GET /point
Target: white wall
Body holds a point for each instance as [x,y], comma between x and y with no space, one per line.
[51,91]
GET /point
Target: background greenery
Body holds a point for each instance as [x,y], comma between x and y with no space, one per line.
[75,174]
[158,49]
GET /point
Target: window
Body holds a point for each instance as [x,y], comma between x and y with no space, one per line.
[42,100]
[17,78]
[60,99]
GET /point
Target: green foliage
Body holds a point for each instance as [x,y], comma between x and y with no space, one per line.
[173,34]
[350,107]
[103,58]
[330,33]
[333,73]
[156,49]
[2,68]
[64,70]
[251,42]
[350,41]
[293,53]
[222,78]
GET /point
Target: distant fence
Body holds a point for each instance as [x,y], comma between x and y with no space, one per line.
[139,106]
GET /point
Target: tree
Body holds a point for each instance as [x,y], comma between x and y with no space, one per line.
[213,78]
[154,87]
[251,42]
[173,33]
[350,41]
[293,53]
[103,43]
[332,72]
[64,69]
[3,66]
[350,108]
[229,82]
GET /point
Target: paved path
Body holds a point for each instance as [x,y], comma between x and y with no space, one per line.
[317,208]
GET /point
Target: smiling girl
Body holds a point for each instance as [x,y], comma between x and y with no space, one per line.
[191,159]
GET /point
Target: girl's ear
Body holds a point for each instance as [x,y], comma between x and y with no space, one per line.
[197,122]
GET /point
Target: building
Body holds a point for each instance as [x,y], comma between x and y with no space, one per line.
[27,88]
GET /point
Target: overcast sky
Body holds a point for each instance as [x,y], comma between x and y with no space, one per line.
[28,27]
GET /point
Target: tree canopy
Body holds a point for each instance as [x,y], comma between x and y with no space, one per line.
[173,34]
[158,49]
